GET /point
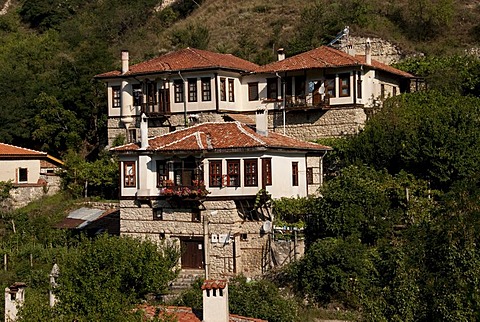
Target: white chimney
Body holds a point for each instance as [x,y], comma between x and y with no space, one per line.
[281,54]
[368,52]
[14,299]
[144,132]
[53,284]
[125,61]
[261,121]
[215,301]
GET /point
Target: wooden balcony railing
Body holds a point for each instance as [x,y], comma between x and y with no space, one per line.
[156,108]
[188,192]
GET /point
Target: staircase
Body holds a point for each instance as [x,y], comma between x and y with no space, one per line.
[183,282]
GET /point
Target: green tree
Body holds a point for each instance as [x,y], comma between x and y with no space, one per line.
[429,134]
[103,278]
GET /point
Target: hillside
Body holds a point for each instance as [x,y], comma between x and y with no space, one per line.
[50,49]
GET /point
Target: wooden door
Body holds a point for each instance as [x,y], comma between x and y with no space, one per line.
[192,253]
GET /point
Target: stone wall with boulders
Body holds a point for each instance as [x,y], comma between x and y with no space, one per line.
[22,194]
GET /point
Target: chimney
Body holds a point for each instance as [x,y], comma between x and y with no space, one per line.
[280,54]
[144,132]
[125,61]
[261,121]
[14,299]
[368,52]
[215,301]
[52,300]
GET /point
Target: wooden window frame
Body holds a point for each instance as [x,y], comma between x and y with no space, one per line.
[344,84]
[129,181]
[272,88]
[295,174]
[267,171]
[223,89]
[162,174]
[22,172]
[310,175]
[131,135]
[231,90]
[116,97]
[206,89]
[250,172]
[196,215]
[330,83]
[233,173]
[178,90]
[382,92]
[215,173]
[157,213]
[192,89]
[253,91]
[359,86]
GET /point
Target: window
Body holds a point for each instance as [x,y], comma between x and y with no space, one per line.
[344,85]
[131,135]
[299,85]
[251,173]
[223,90]
[137,94]
[272,88]
[129,178]
[267,171]
[359,86]
[294,173]
[116,96]
[233,173]
[157,213]
[309,175]
[178,88]
[196,215]
[192,89]
[215,173]
[330,87]
[231,92]
[22,174]
[394,90]
[382,92]
[206,90]
[162,173]
[253,91]
[244,237]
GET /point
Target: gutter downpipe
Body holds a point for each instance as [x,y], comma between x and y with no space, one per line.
[184,98]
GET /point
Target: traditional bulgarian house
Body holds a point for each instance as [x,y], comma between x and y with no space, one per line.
[324,92]
[206,188]
[32,173]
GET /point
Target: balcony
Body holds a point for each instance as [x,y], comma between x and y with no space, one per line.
[156,109]
[309,102]
[194,192]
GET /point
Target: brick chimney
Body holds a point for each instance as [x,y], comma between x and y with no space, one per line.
[14,299]
[215,301]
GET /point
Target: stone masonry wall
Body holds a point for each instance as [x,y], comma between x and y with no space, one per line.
[237,255]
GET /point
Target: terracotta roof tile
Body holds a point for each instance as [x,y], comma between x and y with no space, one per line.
[222,136]
[214,284]
[324,57]
[186,59]
[186,314]
[11,150]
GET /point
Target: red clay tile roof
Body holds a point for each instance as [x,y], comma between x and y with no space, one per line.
[11,150]
[324,57]
[186,59]
[222,136]
[214,284]
[186,314]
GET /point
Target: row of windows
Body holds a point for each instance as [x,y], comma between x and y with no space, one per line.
[189,172]
[253,89]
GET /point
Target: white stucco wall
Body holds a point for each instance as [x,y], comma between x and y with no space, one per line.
[9,170]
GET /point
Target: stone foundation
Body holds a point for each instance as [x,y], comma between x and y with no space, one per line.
[22,194]
[304,125]
[237,246]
